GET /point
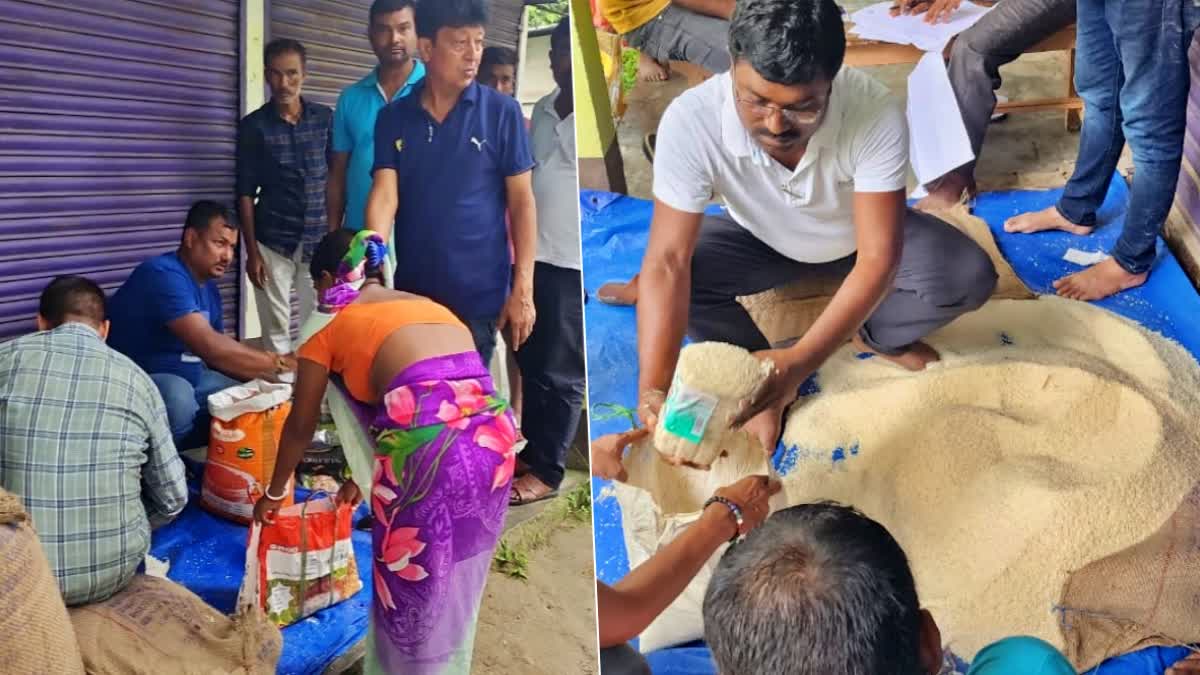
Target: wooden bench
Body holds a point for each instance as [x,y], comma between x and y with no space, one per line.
[860,52]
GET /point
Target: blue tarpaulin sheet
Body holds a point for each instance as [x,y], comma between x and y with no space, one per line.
[208,556]
[615,230]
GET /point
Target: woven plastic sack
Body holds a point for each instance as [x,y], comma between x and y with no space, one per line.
[243,444]
[305,559]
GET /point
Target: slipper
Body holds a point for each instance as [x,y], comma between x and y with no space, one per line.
[648,142]
[522,468]
[1000,116]
[521,494]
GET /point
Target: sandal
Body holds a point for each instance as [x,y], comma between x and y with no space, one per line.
[522,493]
[648,143]
[522,468]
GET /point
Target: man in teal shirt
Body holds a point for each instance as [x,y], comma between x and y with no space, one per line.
[393,35]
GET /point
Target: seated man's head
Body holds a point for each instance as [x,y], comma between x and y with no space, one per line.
[818,589]
[450,39]
[786,54]
[498,70]
[209,241]
[72,299]
[331,259]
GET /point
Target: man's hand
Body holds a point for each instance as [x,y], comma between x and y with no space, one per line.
[778,391]
[518,316]
[608,450]
[256,269]
[941,10]
[1187,666]
[751,494]
[649,403]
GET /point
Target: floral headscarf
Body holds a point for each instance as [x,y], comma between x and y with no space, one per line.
[367,251]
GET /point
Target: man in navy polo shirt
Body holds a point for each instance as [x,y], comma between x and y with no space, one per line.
[449,159]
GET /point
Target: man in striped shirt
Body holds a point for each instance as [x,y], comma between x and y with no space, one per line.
[84,443]
[282,167]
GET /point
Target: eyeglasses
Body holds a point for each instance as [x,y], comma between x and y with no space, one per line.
[796,117]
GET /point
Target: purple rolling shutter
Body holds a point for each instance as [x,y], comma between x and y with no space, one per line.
[115,115]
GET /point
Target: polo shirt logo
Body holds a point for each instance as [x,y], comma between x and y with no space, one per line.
[399,144]
[478,143]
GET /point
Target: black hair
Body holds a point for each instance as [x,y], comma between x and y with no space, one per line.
[497,56]
[330,251]
[434,15]
[203,213]
[789,41]
[388,6]
[818,589]
[562,31]
[72,296]
[282,46]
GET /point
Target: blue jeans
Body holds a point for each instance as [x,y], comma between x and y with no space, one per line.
[1131,70]
[187,405]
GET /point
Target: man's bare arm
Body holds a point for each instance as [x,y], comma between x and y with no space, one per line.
[221,352]
[522,213]
[664,288]
[382,203]
[335,189]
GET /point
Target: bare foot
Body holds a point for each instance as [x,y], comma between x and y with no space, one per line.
[946,192]
[617,293]
[1040,221]
[916,358]
[1098,281]
[650,70]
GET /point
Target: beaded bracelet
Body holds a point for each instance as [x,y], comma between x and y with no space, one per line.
[733,508]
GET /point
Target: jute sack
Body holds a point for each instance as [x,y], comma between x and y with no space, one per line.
[158,626]
[1145,595]
[37,636]
[787,312]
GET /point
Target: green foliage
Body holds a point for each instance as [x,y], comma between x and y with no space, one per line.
[547,15]
[511,561]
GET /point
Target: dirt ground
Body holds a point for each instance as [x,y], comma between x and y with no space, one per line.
[547,624]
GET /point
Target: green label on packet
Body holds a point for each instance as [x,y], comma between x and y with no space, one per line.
[686,412]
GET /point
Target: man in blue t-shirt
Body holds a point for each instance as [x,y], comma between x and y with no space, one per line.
[449,159]
[393,35]
[167,318]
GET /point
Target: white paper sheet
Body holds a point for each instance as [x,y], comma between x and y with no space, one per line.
[1085,258]
[876,23]
[937,137]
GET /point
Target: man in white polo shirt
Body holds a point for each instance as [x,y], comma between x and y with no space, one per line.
[810,160]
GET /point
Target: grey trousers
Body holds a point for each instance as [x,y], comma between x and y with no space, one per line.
[1003,34]
[622,660]
[683,35]
[943,274]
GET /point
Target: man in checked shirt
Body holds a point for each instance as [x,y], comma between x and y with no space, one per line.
[84,443]
[283,160]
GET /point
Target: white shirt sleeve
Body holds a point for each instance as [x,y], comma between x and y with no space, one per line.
[880,152]
[682,175]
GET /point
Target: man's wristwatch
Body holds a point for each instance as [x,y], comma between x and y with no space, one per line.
[733,508]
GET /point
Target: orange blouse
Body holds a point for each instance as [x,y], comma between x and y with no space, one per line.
[348,344]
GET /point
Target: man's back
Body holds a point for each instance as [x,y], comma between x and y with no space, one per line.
[83,435]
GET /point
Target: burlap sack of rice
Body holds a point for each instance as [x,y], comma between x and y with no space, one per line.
[658,502]
[157,626]
[37,637]
[711,378]
[785,313]
[1142,596]
[1053,434]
